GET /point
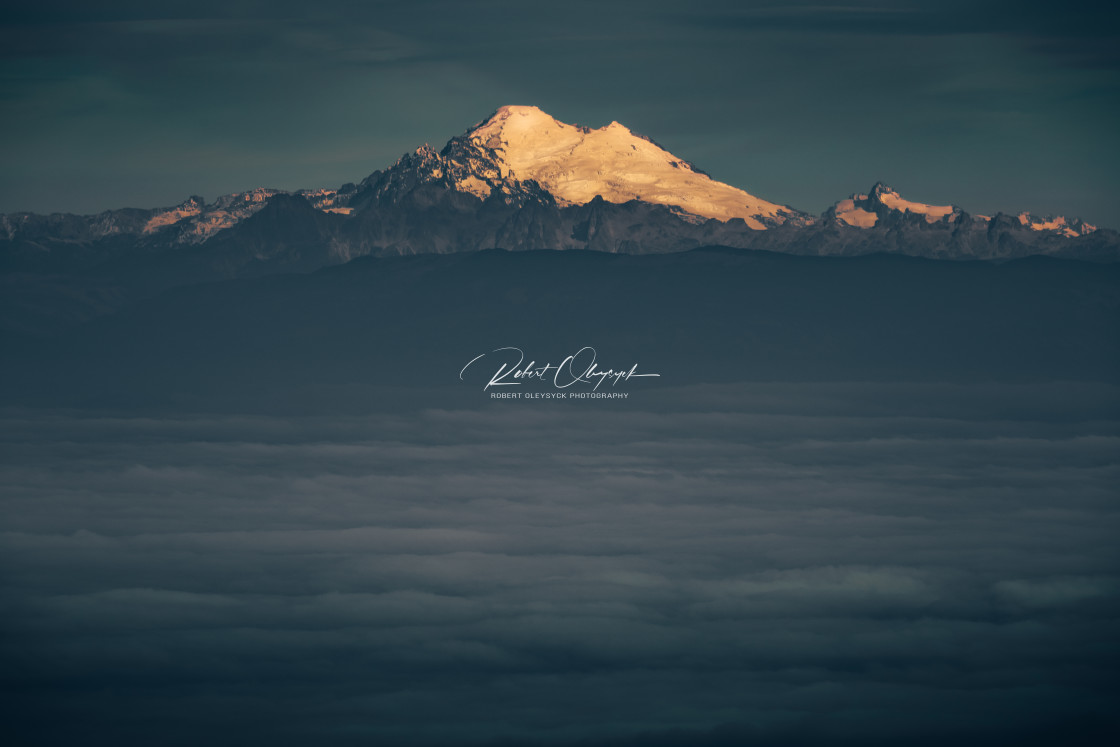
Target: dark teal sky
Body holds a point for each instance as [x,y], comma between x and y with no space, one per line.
[990,105]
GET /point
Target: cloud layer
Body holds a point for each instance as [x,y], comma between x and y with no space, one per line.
[775,562]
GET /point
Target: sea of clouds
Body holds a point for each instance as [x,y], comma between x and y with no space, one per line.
[750,563]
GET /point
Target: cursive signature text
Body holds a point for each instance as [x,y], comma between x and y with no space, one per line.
[581,368]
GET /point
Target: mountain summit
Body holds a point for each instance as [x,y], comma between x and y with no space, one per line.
[865,210]
[577,164]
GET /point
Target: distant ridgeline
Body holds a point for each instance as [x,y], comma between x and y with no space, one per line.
[521,180]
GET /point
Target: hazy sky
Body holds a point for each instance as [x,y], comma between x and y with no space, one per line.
[991,105]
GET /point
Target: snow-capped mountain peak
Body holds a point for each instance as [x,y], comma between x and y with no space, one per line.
[575,164]
[891,199]
[865,210]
